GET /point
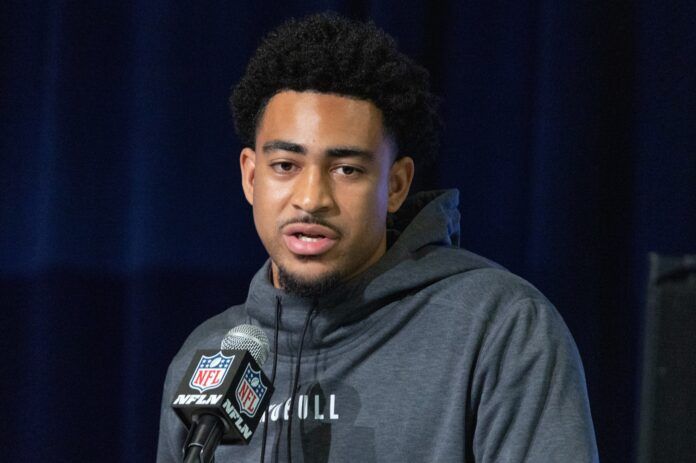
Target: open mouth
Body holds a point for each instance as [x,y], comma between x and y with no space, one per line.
[309,239]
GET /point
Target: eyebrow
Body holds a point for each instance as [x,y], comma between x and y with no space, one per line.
[335,152]
[280,145]
[349,151]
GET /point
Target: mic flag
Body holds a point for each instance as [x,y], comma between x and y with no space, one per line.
[227,384]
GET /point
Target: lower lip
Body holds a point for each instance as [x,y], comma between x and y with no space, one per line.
[308,248]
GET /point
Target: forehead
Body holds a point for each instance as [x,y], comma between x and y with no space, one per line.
[312,117]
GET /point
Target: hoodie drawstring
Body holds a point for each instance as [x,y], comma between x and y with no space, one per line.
[295,383]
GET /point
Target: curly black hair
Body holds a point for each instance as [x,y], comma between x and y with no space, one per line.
[331,54]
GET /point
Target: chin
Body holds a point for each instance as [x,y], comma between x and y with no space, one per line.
[306,283]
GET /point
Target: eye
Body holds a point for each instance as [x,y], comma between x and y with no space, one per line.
[348,171]
[283,167]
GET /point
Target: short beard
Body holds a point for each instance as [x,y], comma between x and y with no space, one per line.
[308,289]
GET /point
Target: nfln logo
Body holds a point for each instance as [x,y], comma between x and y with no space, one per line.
[210,372]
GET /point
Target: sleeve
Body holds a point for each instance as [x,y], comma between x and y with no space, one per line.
[172,432]
[529,391]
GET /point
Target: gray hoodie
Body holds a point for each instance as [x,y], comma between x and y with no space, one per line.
[432,354]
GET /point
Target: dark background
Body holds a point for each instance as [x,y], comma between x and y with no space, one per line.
[569,130]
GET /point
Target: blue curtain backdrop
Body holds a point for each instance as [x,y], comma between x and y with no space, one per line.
[569,129]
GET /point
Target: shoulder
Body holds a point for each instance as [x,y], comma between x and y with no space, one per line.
[495,311]
[485,289]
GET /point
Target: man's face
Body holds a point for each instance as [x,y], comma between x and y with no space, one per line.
[321,181]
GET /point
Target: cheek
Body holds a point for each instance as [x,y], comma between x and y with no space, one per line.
[260,222]
[265,191]
[380,197]
[271,195]
[267,206]
[366,209]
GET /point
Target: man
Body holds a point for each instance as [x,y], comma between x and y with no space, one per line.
[409,348]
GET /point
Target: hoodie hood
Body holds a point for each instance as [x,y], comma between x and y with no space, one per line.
[425,225]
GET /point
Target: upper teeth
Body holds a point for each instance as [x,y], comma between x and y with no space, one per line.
[309,238]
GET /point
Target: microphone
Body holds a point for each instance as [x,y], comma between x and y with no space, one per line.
[223,394]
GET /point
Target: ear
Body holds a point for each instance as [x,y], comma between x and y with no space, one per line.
[400,178]
[247,164]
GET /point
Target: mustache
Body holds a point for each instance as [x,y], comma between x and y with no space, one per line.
[310,220]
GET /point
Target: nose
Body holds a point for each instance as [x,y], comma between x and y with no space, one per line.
[313,193]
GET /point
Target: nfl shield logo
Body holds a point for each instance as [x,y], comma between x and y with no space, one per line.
[250,391]
[210,372]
